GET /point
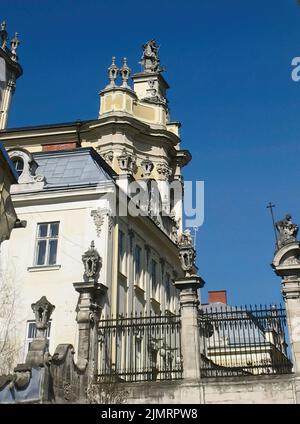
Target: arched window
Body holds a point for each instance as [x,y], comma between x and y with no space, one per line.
[18,164]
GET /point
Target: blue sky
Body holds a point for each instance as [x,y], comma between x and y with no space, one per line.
[229,68]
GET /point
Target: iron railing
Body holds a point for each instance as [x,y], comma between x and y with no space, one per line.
[139,348]
[243,341]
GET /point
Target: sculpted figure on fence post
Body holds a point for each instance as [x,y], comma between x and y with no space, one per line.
[287,231]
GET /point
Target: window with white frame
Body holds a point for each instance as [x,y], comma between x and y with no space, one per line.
[153,274]
[31,334]
[137,263]
[122,251]
[46,244]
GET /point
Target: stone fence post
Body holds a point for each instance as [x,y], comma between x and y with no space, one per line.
[286,264]
[190,334]
[189,306]
[91,297]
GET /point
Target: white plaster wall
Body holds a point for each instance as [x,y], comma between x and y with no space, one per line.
[76,231]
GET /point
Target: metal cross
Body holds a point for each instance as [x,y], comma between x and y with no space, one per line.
[271,206]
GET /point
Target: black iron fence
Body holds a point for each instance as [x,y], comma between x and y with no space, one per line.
[139,348]
[243,341]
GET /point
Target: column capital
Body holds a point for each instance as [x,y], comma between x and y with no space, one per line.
[290,288]
[193,281]
[188,287]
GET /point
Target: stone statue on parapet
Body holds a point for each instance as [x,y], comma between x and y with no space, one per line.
[287,231]
[150,60]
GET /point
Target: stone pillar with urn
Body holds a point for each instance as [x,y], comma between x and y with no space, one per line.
[38,353]
[189,308]
[91,296]
[286,264]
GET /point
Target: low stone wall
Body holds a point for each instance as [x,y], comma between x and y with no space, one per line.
[263,389]
[233,390]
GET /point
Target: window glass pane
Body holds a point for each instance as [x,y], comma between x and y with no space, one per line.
[121,249]
[138,259]
[168,288]
[54,229]
[48,329]
[19,165]
[52,252]
[153,272]
[43,229]
[31,330]
[41,252]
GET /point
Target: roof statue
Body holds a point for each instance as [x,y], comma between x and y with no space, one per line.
[150,60]
[287,231]
[14,45]
[3,35]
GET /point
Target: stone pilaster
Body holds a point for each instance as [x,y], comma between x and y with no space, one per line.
[190,336]
[286,264]
[91,296]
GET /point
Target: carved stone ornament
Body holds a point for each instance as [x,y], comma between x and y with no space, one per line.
[147,166]
[187,254]
[125,73]
[112,73]
[164,171]
[67,391]
[28,174]
[287,231]
[98,217]
[109,156]
[42,310]
[127,161]
[153,95]
[150,60]
[92,262]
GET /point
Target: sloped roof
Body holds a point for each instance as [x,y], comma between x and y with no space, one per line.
[67,168]
[235,326]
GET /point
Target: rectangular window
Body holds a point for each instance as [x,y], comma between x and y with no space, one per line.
[154,277]
[46,243]
[168,291]
[137,263]
[121,258]
[31,334]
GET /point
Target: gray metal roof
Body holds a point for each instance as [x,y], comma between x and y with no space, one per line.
[237,327]
[72,168]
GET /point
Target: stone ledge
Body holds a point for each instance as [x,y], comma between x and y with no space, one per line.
[43,268]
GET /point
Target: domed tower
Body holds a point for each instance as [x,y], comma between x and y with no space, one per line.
[143,141]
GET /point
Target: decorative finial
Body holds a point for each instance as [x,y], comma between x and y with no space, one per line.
[112,73]
[92,263]
[14,45]
[42,310]
[125,73]
[287,231]
[4,35]
[150,60]
[187,253]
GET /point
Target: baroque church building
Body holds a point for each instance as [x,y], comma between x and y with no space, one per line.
[73,185]
[100,287]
